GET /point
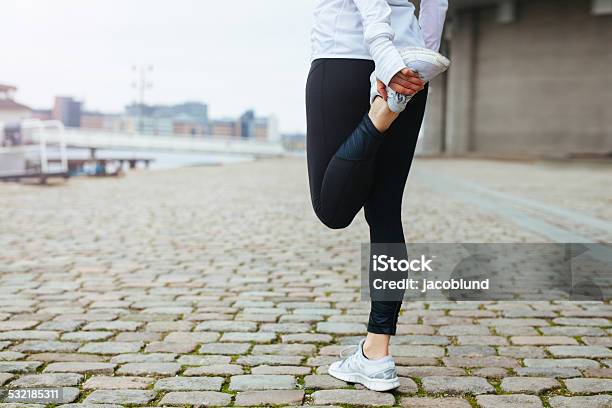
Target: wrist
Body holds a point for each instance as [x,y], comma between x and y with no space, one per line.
[387,59]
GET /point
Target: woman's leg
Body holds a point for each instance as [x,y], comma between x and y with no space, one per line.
[383,210]
[343,137]
[337,98]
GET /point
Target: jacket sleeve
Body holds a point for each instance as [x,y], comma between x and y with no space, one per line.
[378,35]
[431,20]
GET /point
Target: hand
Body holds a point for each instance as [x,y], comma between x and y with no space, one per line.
[406,82]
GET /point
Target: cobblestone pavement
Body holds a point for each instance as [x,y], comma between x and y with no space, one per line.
[213,286]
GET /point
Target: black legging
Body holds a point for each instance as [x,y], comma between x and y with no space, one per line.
[351,165]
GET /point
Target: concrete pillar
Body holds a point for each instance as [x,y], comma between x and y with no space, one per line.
[431,141]
[460,87]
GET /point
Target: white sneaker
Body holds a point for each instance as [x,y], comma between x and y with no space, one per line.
[376,375]
[426,63]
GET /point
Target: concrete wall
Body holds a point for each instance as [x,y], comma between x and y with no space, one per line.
[544,82]
[430,140]
[539,85]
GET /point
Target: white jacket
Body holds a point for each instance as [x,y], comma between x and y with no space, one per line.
[372,29]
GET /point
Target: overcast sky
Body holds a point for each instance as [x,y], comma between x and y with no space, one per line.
[233,55]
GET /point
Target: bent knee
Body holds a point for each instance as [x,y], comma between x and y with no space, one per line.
[336,225]
[333,222]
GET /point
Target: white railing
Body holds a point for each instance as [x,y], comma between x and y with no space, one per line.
[32,155]
[46,132]
[100,139]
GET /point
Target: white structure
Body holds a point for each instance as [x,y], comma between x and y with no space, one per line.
[12,112]
[273,131]
[97,139]
[42,154]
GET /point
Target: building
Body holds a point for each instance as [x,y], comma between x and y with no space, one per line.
[67,110]
[225,128]
[11,112]
[247,124]
[529,77]
[99,120]
[188,118]
[187,125]
[146,125]
[42,114]
[266,128]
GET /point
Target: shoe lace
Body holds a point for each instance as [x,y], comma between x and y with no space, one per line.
[344,352]
[346,356]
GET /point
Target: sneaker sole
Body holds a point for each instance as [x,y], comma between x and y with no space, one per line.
[425,55]
[373,384]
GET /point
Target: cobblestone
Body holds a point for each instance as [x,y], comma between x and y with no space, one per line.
[111,347]
[528,385]
[285,349]
[457,385]
[353,397]
[596,401]
[269,359]
[589,385]
[189,383]
[5,377]
[509,401]
[225,348]
[522,352]
[542,340]
[19,366]
[262,382]
[291,370]
[419,402]
[87,336]
[80,367]
[279,397]
[139,397]
[198,398]
[215,369]
[47,380]
[203,360]
[144,358]
[149,368]
[580,351]
[429,371]
[248,337]
[33,346]
[490,372]
[117,383]
[560,363]
[341,328]
[547,372]
[323,382]
[189,337]
[173,301]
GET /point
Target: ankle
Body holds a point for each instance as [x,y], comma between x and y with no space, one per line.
[375,350]
[381,116]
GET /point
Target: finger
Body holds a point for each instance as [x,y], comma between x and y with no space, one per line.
[382,90]
[407,72]
[414,79]
[408,85]
[415,84]
[400,89]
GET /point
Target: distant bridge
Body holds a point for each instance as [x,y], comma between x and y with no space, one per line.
[100,139]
